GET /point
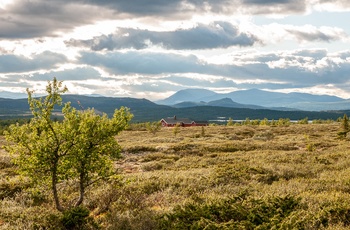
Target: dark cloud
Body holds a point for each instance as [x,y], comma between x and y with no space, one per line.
[28,19]
[315,54]
[76,74]
[267,2]
[281,67]
[262,58]
[147,72]
[14,81]
[141,73]
[316,35]
[140,7]
[344,54]
[186,7]
[215,35]
[10,63]
[148,63]
[274,6]
[143,63]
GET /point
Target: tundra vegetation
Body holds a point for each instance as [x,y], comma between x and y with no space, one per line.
[255,174]
[153,127]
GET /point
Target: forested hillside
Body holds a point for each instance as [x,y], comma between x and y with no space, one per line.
[145,110]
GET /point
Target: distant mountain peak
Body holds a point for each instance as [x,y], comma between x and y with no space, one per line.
[186,95]
[258,98]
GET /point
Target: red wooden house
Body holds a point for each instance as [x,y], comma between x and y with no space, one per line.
[184,122]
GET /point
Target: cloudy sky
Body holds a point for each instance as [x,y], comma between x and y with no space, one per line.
[153,48]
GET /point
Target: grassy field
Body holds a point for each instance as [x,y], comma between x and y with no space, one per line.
[217,177]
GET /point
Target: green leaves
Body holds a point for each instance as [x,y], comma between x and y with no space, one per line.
[78,149]
[153,127]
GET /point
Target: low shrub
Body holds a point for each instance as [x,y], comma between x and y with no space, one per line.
[264,136]
[159,156]
[232,147]
[245,133]
[144,219]
[186,149]
[338,215]
[5,162]
[149,187]
[139,149]
[151,166]
[231,175]
[233,213]
[9,188]
[242,173]
[78,218]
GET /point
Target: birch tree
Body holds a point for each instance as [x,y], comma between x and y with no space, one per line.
[78,149]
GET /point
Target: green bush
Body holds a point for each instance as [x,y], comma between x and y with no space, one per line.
[304,121]
[265,121]
[77,218]
[341,134]
[283,122]
[153,127]
[230,122]
[234,213]
[231,175]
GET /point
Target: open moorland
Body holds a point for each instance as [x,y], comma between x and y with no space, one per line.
[294,176]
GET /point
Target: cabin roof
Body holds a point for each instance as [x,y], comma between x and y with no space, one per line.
[175,120]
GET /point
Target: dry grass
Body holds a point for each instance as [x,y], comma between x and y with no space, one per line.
[161,173]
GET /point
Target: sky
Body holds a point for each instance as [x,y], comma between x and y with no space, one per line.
[154,48]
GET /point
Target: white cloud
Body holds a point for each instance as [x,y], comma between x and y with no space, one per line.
[16,64]
[215,35]
[149,50]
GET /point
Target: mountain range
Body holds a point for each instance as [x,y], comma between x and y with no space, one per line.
[192,105]
[255,99]
[252,98]
[224,102]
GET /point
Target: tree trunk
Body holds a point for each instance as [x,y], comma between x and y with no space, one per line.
[54,188]
[81,189]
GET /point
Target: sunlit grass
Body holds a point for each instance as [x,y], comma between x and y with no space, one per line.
[161,173]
